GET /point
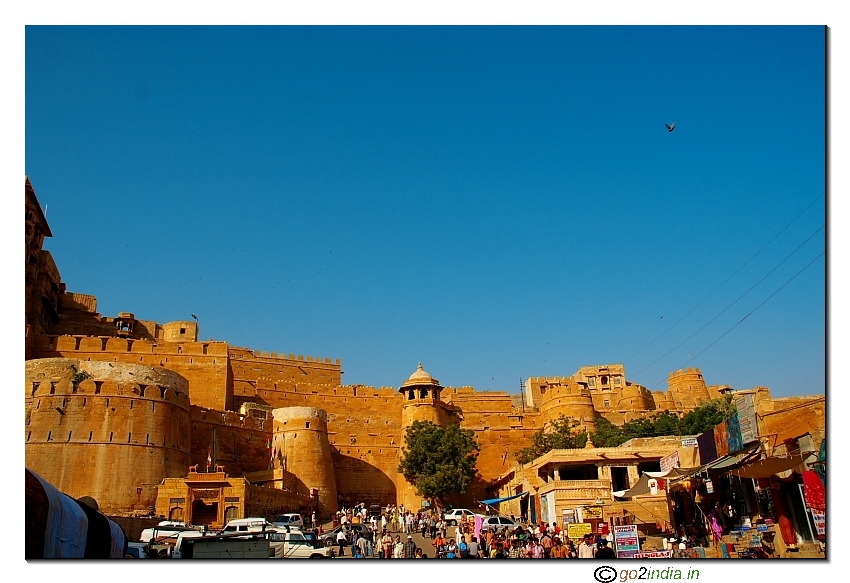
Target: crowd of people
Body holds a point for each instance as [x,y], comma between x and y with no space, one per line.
[389,535]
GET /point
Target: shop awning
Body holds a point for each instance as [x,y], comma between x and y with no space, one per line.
[642,485]
[492,501]
[769,466]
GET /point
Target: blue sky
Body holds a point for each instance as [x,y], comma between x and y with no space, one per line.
[495,202]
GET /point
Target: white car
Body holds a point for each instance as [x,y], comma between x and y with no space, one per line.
[295,544]
[257,524]
[454,516]
[290,520]
[494,523]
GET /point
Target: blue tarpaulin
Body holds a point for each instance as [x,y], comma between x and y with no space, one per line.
[492,501]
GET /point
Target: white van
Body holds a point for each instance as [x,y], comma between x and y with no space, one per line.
[248,525]
[289,520]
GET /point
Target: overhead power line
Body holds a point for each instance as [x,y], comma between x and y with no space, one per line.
[734,302]
[754,309]
[726,281]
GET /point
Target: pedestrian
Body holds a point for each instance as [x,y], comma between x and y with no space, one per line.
[605,552]
[341,540]
[398,548]
[451,550]
[586,550]
[439,546]
[558,551]
[420,554]
[362,547]
[516,551]
[409,548]
[546,543]
[386,546]
[473,548]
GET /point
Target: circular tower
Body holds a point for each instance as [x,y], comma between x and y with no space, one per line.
[111,431]
[301,437]
[570,399]
[687,388]
[636,398]
[421,393]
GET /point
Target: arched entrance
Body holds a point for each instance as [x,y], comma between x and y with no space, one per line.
[203,513]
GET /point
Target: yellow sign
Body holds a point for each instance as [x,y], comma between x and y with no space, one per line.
[577,530]
[591,512]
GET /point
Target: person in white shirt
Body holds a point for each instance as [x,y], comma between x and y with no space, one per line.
[587,550]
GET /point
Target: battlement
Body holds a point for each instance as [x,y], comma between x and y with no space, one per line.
[549,380]
[247,353]
[81,302]
[90,387]
[110,344]
[229,419]
[690,371]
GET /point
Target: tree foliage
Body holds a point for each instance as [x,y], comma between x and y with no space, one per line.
[700,420]
[562,433]
[438,461]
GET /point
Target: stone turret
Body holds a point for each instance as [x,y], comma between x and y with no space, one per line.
[421,394]
[687,388]
[301,437]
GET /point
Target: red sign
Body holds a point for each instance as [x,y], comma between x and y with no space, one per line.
[602,528]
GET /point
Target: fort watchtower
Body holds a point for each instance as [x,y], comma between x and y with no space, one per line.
[687,388]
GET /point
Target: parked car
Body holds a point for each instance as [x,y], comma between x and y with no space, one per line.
[255,524]
[375,510]
[289,520]
[496,522]
[297,545]
[453,516]
[329,538]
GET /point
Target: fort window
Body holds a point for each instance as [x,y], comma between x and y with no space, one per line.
[38,405]
[69,436]
[49,433]
[616,381]
[91,434]
[308,425]
[591,382]
[107,402]
[34,388]
[604,380]
[578,472]
[182,330]
[29,434]
[153,406]
[147,437]
[423,393]
[110,436]
[129,437]
[85,400]
[410,395]
[607,403]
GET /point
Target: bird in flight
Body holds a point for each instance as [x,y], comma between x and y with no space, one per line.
[671,127]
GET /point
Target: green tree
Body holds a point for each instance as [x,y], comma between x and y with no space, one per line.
[438,461]
[562,433]
[707,415]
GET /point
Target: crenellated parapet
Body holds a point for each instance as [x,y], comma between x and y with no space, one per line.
[687,388]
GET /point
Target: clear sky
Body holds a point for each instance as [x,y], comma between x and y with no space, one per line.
[495,202]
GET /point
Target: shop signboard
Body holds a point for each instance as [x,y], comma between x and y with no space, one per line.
[689,442]
[626,542]
[669,462]
[569,516]
[591,512]
[733,434]
[602,528]
[653,555]
[577,530]
[746,418]
[820,522]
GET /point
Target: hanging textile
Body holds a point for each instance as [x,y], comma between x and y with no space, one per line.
[707,448]
[786,527]
[721,440]
[814,491]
